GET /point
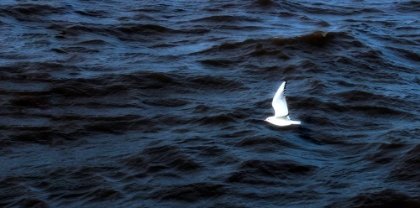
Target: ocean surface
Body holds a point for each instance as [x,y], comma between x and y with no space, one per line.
[161,103]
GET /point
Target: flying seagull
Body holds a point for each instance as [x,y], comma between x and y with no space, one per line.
[281,115]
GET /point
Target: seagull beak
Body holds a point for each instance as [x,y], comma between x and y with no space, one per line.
[265,120]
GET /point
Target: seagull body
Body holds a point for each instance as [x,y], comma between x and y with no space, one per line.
[281,112]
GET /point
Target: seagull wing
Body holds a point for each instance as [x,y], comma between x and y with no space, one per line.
[279,102]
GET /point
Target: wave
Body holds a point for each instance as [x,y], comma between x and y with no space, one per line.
[268,172]
[383,198]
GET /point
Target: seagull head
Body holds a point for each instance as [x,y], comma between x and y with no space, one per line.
[269,119]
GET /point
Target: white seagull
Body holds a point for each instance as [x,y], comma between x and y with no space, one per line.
[281,113]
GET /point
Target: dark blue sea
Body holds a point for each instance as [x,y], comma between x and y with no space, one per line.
[107,103]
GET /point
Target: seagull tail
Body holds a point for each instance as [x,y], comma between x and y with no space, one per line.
[296,122]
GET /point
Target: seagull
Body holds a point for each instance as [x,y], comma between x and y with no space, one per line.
[281,113]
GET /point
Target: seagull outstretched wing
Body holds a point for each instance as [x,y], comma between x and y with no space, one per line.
[279,102]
